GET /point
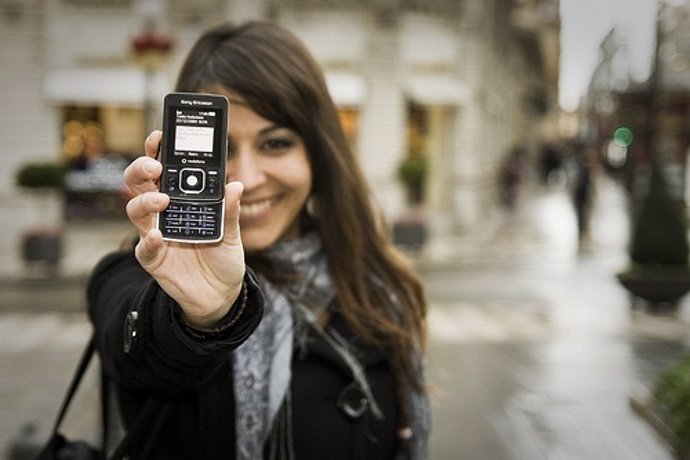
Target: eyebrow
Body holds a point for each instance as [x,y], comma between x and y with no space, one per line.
[271,128]
[267,130]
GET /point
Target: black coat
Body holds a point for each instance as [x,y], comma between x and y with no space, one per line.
[191,374]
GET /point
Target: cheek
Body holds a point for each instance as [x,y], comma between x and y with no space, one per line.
[297,175]
[306,177]
[305,182]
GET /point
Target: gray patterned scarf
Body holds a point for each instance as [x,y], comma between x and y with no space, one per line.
[262,365]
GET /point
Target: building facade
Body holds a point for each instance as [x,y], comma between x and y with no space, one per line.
[653,112]
[462,81]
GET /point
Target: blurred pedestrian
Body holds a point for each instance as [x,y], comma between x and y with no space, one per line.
[511,176]
[583,187]
[550,163]
[315,348]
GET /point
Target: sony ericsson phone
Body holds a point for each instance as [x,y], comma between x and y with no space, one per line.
[194,156]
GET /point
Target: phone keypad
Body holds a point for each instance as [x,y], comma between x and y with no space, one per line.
[192,221]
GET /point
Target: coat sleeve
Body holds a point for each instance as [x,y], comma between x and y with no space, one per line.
[141,337]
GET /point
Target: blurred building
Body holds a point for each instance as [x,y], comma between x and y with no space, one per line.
[622,112]
[470,79]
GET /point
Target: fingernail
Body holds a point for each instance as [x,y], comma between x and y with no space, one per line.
[150,167]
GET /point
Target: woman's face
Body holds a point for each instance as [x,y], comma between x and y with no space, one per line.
[271,162]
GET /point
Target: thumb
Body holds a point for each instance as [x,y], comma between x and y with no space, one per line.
[233,194]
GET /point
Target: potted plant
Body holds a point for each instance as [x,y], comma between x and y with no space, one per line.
[410,229]
[666,405]
[672,393]
[658,272]
[44,180]
[413,171]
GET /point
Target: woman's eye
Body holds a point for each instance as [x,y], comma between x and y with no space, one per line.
[277,144]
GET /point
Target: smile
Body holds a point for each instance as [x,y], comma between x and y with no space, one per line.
[249,210]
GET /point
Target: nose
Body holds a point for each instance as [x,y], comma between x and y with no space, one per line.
[245,167]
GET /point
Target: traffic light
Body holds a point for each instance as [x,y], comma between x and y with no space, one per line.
[623,136]
[617,148]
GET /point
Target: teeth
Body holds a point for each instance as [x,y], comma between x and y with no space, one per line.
[252,209]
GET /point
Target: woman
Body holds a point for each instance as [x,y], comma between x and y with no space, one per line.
[314,348]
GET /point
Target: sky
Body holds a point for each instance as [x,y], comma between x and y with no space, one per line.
[585,23]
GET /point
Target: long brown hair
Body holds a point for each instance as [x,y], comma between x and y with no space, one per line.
[379,294]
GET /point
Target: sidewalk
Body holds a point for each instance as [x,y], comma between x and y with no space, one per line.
[61,293]
[29,289]
[535,350]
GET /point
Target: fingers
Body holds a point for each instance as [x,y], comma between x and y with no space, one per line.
[233,193]
[148,248]
[152,143]
[141,175]
[142,209]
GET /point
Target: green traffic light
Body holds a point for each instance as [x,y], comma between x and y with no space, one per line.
[623,136]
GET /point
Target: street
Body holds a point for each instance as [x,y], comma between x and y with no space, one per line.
[534,349]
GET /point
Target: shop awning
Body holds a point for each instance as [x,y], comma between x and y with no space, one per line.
[93,86]
[437,90]
[347,89]
[126,86]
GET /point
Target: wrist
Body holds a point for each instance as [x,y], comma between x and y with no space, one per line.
[220,317]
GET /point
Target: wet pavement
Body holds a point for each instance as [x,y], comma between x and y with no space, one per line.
[534,348]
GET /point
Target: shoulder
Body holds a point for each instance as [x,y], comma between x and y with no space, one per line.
[116,267]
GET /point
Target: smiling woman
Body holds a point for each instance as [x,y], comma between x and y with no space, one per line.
[301,334]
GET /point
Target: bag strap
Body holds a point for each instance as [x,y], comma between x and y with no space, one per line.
[74,385]
[105,409]
[142,421]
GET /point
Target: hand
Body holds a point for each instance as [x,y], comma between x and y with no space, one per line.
[205,279]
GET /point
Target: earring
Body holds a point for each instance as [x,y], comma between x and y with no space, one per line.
[312,207]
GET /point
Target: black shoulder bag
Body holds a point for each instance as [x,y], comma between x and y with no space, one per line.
[59,447]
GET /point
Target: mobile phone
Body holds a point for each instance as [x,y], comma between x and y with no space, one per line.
[193,153]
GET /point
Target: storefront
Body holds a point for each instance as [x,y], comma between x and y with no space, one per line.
[101,113]
[102,118]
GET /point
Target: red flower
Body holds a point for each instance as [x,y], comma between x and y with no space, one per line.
[151,41]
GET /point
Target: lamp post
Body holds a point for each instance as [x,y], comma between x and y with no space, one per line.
[150,50]
[653,102]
